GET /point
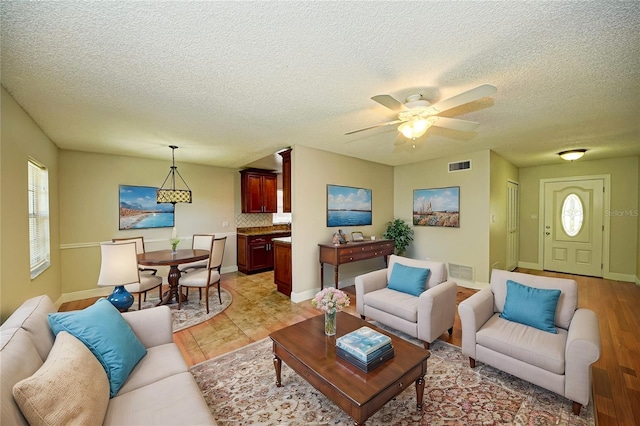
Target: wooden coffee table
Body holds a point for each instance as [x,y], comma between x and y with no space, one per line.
[309,352]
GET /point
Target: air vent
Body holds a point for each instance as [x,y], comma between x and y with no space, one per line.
[460,166]
[461,272]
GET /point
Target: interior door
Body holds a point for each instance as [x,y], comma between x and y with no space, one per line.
[513,229]
[573,226]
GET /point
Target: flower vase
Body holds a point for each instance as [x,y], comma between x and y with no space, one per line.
[174,249]
[330,323]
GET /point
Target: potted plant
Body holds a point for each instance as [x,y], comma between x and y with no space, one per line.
[400,233]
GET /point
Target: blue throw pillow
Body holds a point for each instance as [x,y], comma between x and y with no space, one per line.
[531,306]
[107,335]
[408,279]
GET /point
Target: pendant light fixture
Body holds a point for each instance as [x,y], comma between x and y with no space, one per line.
[173,195]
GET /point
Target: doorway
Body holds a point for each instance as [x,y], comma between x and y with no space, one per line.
[573,225]
[513,228]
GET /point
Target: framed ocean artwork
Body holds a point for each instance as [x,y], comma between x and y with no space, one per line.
[348,206]
[139,210]
[437,207]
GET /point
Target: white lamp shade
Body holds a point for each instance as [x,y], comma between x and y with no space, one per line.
[414,128]
[119,264]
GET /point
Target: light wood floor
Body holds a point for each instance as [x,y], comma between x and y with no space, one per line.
[257,309]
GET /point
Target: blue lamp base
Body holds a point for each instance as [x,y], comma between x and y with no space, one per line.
[121,298]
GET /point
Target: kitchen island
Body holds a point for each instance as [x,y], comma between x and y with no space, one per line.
[282,264]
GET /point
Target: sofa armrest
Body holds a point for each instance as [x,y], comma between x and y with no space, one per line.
[583,349]
[367,283]
[474,312]
[436,310]
[153,326]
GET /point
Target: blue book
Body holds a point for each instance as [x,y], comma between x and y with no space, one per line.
[363,342]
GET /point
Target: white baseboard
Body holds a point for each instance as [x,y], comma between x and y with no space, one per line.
[530,265]
[621,277]
[304,295]
[474,285]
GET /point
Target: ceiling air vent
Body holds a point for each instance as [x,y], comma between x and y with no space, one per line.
[459,166]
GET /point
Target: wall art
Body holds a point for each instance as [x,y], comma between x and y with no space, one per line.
[138,209]
[348,206]
[437,207]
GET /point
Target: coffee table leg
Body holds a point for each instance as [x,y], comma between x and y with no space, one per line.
[419,391]
[277,363]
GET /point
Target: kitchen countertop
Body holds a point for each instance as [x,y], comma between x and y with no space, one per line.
[263,230]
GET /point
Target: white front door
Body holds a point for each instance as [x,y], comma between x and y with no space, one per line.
[573,226]
[513,230]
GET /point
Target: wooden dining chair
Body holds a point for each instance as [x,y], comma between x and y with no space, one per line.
[198,242]
[139,249]
[206,277]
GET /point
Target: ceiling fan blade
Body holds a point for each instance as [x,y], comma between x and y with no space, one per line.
[465,97]
[389,123]
[455,124]
[390,102]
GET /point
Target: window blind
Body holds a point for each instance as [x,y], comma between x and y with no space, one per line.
[39,245]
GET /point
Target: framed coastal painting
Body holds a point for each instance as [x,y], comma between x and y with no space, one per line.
[348,206]
[138,209]
[437,207]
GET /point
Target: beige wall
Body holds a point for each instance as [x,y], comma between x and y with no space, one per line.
[638,235]
[21,139]
[89,185]
[467,245]
[624,198]
[312,170]
[501,172]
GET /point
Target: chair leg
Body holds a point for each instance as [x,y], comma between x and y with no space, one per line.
[219,295]
[145,296]
[140,300]
[472,362]
[207,295]
[363,317]
[576,408]
[180,298]
[160,292]
[451,332]
[200,292]
[426,345]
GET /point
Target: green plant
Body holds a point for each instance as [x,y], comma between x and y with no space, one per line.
[400,233]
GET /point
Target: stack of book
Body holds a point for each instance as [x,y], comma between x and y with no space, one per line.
[365,348]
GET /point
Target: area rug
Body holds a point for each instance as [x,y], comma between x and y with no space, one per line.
[239,388]
[194,311]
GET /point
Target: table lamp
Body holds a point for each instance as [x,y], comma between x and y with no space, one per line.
[119,267]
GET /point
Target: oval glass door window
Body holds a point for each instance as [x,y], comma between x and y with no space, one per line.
[572,215]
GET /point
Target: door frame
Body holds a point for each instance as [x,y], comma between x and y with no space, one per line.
[605,220]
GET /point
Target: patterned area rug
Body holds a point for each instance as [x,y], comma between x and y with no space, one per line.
[194,311]
[239,388]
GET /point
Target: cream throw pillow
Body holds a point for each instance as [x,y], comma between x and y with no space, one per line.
[70,388]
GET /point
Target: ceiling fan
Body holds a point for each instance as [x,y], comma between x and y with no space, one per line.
[417,114]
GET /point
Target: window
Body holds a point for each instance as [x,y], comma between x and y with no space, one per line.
[281,217]
[572,214]
[39,247]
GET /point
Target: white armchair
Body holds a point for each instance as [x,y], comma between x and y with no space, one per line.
[560,362]
[425,317]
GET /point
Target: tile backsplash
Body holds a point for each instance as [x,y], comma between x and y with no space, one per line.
[254,219]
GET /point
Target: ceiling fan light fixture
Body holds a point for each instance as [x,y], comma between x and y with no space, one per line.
[572,154]
[415,128]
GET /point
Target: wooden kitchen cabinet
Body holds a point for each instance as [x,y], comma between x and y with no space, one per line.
[258,191]
[255,252]
[286,180]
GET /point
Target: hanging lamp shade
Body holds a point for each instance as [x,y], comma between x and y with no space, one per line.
[172,194]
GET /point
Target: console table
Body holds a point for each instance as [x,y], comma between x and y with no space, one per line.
[337,255]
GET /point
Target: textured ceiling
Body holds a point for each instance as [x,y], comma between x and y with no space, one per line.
[232,82]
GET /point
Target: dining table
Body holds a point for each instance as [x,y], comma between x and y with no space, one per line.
[172,259]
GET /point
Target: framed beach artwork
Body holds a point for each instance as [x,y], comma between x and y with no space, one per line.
[138,209]
[437,207]
[348,206]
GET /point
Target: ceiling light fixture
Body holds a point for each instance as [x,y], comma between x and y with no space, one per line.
[572,154]
[173,195]
[414,128]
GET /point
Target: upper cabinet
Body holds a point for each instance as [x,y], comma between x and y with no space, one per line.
[286,180]
[258,191]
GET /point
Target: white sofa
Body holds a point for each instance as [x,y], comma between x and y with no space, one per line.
[159,391]
[558,362]
[425,317]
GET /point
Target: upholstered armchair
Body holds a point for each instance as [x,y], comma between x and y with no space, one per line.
[408,300]
[530,326]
